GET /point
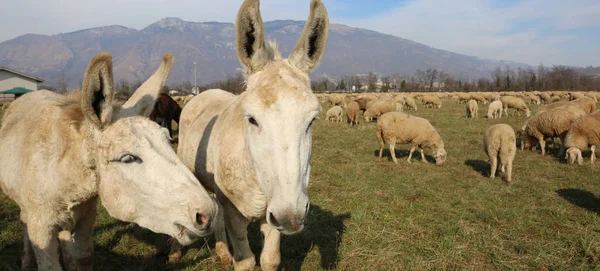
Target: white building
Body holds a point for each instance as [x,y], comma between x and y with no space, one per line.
[14,84]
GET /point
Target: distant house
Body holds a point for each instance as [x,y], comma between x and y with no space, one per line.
[14,84]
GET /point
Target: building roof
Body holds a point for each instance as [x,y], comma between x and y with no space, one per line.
[16,91]
[22,74]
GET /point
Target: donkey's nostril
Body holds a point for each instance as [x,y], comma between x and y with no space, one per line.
[273,221]
[201,219]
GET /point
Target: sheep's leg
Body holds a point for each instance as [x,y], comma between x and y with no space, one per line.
[412,149]
[45,244]
[381,150]
[393,152]
[542,145]
[509,172]
[593,155]
[493,164]
[270,257]
[28,260]
[562,144]
[423,156]
[78,248]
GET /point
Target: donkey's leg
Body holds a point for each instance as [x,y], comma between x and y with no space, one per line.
[28,260]
[44,240]
[78,248]
[237,227]
[270,258]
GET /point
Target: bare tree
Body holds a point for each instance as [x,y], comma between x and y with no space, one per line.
[431,75]
[63,82]
[372,81]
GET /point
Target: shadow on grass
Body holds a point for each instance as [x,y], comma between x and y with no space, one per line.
[323,230]
[480,166]
[155,258]
[581,198]
[402,154]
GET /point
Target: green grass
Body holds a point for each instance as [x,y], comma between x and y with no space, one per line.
[367,215]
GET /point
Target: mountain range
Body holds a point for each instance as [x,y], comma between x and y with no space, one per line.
[137,53]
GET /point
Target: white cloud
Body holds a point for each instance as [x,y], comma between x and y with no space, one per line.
[531,31]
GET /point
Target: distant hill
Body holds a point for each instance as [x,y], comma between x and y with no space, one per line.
[136,53]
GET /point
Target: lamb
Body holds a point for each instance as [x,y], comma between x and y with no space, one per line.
[515,103]
[550,123]
[499,142]
[352,112]
[472,109]
[379,109]
[401,128]
[410,103]
[495,110]
[334,114]
[583,133]
[432,100]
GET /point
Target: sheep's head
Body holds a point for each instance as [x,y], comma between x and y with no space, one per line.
[440,156]
[574,154]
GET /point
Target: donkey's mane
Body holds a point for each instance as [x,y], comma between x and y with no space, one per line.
[270,54]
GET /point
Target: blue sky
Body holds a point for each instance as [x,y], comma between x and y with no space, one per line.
[529,31]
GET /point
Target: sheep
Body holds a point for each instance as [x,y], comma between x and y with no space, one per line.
[495,110]
[352,113]
[399,107]
[575,96]
[336,100]
[379,109]
[472,109]
[334,114]
[545,97]
[463,97]
[587,103]
[401,128]
[583,133]
[432,100]
[410,103]
[515,103]
[499,142]
[479,97]
[550,123]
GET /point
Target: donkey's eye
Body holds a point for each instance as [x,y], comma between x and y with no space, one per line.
[129,158]
[253,121]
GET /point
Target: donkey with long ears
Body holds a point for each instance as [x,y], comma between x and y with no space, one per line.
[254,149]
[59,154]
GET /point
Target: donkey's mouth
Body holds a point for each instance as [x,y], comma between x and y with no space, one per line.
[187,236]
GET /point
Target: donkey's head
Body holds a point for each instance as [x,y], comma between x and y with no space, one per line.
[141,178]
[279,108]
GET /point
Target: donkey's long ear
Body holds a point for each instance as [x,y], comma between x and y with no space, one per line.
[311,45]
[97,90]
[250,37]
[143,99]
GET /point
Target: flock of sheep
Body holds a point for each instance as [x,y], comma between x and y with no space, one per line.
[569,116]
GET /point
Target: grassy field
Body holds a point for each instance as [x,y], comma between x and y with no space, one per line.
[367,215]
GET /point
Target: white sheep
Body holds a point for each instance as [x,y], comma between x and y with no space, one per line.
[515,103]
[472,109]
[583,133]
[550,123]
[400,128]
[499,143]
[334,114]
[352,113]
[378,109]
[495,110]
[410,103]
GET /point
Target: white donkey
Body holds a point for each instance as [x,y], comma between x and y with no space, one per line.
[59,154]
[254,149]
